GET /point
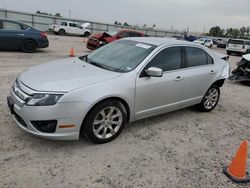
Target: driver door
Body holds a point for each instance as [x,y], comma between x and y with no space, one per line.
[156,95]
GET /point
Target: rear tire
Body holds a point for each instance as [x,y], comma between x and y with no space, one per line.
[105,121]
[210,100]
[62,32]
[29,46]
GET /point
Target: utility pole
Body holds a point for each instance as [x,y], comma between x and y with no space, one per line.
[69,13]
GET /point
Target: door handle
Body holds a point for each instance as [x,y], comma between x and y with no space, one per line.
[179,78]
[212,72]
[20,34]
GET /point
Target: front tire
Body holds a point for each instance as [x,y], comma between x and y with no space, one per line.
[210,100]
[29,46]
[105,121]
[86,34]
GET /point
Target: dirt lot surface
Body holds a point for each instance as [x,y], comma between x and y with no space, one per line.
[185,148]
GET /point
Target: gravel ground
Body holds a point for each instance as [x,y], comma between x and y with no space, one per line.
[185,148]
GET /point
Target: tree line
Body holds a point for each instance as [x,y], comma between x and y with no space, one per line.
[243,32]
[144,26]
[49,14]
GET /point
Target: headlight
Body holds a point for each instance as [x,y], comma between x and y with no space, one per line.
[43,99]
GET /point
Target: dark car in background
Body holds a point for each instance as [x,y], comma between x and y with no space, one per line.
[15,35]
[99,39]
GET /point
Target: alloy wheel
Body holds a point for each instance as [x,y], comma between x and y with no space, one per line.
[107,122]
[211,98]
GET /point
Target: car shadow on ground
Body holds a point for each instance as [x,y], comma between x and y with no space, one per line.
[84,142]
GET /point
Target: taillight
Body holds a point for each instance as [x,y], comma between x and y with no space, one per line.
[43,34]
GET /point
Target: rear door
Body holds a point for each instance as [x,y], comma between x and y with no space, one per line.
[11,35]
[199,75]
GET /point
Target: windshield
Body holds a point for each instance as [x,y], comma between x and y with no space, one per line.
[120,56]
[236,42]
[201,39]
[112,33]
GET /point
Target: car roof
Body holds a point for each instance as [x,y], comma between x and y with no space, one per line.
[160,41]
[240,39]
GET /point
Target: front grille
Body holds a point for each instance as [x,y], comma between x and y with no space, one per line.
[20,120]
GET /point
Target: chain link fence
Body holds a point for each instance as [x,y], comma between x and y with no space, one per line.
[41,22]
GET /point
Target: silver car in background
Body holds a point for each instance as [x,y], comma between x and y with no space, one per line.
[122,82]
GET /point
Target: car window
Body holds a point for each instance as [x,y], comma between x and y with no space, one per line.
[64,23]
[210,59]
[77,25]
[236,42]
[1,25]
[11,26]
[197,57]
[134,34]
[125,34]
[168,59]
[72,25]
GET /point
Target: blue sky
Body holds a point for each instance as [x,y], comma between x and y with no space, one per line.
[179,14]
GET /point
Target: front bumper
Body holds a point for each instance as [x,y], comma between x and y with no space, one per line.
[65,113]
[93,43]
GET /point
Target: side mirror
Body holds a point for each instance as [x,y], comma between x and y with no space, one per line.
[154,72]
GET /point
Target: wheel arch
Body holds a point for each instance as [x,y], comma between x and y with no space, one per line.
[219,83]
[124,103]
[29,39]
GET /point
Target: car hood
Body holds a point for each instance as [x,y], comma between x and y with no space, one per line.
[64,75]
[85,25]
[100,35]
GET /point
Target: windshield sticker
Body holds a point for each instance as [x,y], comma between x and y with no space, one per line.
[128,68]
[143,46]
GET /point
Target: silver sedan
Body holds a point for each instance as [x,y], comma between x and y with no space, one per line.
[124,81]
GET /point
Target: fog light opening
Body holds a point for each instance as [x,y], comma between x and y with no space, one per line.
[45,126]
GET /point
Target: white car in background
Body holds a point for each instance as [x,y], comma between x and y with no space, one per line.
[204,41]
[239,46]
[121,82]
[71,28]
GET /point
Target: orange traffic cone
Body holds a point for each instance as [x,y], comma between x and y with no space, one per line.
[236,171]
[72,52]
